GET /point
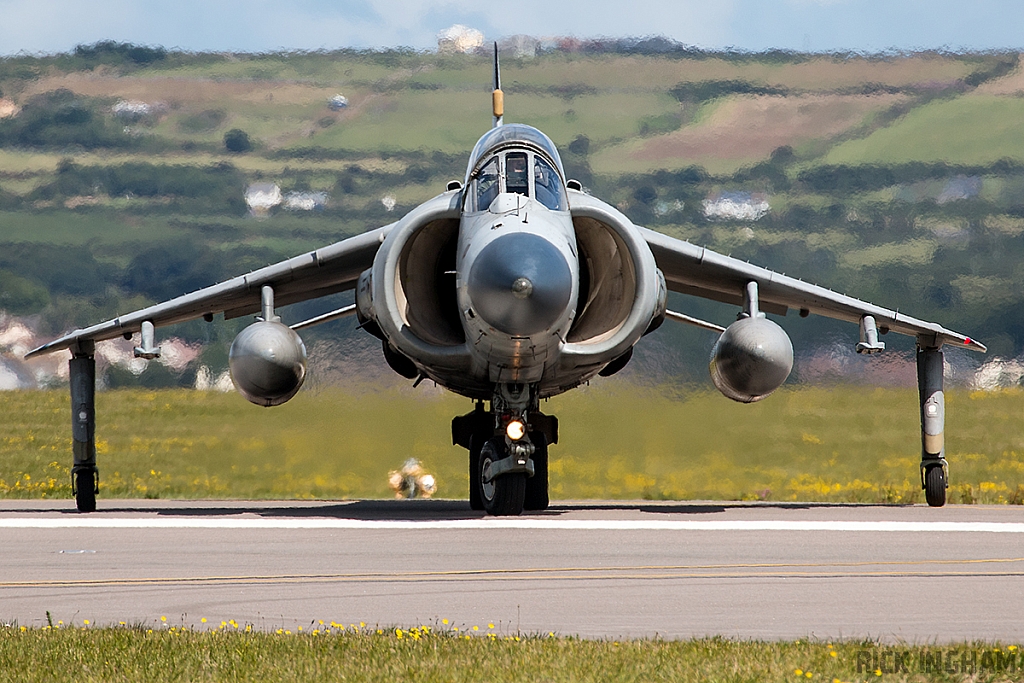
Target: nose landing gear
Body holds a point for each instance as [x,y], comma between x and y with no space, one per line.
[507,475]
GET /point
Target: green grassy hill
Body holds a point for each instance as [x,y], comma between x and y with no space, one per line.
[860,158]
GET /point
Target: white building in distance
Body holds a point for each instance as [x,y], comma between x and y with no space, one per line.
[739,206]
[305,201]
[519,46]
[459,39]
[131,109]
[7,108]
[262,197]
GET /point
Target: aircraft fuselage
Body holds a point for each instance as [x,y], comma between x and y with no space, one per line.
[516,287]
[517,268]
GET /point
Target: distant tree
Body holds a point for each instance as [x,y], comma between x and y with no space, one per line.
[172,268]
[61,118]
[114,53]
[693,91]
[237,140]
[580,145]
[645,194]
[783,155]
[19,295]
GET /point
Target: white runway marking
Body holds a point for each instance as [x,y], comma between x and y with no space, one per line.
[184,522]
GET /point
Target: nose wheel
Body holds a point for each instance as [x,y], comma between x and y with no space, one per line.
[502,495]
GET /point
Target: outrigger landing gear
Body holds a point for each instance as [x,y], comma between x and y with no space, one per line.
[934,470]
[508,451]
[85,478]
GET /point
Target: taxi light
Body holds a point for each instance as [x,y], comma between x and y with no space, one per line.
[515,430]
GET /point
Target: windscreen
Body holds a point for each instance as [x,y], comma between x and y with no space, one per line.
[486,185]
[517,175]
[548,186]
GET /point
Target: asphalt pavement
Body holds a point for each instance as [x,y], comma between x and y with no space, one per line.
[594,569]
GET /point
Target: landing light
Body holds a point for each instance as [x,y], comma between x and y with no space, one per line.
[515,430]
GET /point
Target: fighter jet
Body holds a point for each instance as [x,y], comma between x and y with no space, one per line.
[508,287]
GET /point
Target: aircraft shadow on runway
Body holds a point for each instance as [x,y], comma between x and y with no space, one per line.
[432,510]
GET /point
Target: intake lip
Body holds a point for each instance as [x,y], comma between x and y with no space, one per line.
[520,284]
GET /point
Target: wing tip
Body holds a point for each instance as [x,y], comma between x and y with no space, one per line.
[968,343]
[61,344]
[40,351]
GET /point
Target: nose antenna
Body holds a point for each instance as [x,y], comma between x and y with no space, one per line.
[497,97]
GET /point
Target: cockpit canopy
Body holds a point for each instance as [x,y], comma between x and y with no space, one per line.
[515,158]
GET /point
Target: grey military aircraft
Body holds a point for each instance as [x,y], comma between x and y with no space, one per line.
[509,287]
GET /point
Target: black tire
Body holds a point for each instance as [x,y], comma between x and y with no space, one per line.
[503,496]
[85,490]
[476,441]
[935,486]
[537,485]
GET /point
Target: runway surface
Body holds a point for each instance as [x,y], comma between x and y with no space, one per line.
[897,573]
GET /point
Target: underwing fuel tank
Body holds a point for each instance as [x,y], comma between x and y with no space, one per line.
[268,363]
[751,359]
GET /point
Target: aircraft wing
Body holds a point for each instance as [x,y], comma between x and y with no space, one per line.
[690,269]
[334,268]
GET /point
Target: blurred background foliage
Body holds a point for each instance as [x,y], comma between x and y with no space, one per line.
[896,178]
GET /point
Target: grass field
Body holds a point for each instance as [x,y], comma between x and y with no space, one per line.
[22,164]
[420,101]
[740,131]
[617,441]
[601,71]
[353,653]
[403,102]
[977,129]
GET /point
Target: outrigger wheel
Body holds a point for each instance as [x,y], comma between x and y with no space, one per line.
[86,485]
[935,486]
[502,495]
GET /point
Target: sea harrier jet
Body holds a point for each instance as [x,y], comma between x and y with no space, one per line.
[508,287]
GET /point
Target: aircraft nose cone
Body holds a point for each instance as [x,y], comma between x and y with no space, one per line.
[520,284]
